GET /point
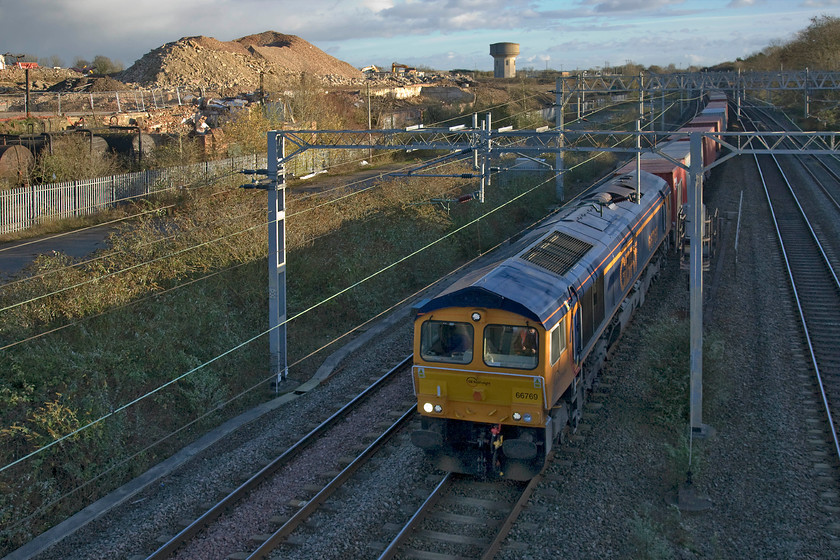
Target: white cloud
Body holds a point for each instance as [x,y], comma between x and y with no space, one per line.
[610,6]
[377,5]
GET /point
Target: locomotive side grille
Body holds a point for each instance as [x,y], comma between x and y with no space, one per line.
[557,253]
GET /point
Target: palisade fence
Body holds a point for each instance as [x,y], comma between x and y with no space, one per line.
[25,207]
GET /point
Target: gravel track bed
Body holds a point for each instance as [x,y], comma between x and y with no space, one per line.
[355,521]
[133,528]
[252,516]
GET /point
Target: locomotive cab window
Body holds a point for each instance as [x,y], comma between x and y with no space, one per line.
[511,346]
[446,341]
[558,341]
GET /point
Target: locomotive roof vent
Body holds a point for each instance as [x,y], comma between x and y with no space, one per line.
[557,253]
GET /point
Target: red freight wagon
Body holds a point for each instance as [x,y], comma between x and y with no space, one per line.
[711,147]
[715,120]
[719,113]
[718,106]
[666,169]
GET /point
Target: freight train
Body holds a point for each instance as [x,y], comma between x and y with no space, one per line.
[504,358]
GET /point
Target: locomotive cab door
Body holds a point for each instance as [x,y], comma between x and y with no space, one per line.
[576,335]
[592,304]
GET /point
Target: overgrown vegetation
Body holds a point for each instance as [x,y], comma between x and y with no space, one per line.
[71,158]
[664,362]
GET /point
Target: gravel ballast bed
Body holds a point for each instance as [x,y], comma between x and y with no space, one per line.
[133,527]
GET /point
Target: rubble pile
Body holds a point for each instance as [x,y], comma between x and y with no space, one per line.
[227,68]
[13,80]
[85,83]
[236,66]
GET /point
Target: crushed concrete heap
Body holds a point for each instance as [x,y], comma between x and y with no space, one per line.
[236,65]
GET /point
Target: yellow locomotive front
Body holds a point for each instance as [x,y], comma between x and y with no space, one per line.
[480,381]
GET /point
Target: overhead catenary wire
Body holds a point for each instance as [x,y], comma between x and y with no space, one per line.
[261,382]
[169,255]
[31,300]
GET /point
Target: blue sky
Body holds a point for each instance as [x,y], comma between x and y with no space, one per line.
[441,34]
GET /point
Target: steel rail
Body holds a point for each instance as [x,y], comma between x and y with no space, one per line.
[286,529]
[796,292]
[502,534]
[819,160]
[428,505]
[421,513]
[194,528]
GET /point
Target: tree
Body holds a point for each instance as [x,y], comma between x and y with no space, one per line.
[53,61]
[104,65]
[305,99]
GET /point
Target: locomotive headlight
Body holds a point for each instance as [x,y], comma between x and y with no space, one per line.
[517,416]
[438,408]
[476,316]
[527,417]
[428,407]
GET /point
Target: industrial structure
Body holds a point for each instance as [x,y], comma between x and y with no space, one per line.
[504,59]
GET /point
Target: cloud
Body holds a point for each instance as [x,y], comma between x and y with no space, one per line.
[636,6]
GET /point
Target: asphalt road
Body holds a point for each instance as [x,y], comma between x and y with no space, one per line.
[16,255]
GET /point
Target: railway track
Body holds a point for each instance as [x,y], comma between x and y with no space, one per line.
[823,170]
[461,518]
[273,540]
[798,217]
[210,525]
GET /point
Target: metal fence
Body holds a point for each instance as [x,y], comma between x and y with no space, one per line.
[103,102]
[25,207]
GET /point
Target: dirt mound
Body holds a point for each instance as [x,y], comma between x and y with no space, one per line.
[13,80]
[88,83]
[235,66]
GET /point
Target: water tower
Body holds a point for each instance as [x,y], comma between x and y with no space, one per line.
[504,59]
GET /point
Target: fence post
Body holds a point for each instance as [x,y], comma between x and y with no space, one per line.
[32,206]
